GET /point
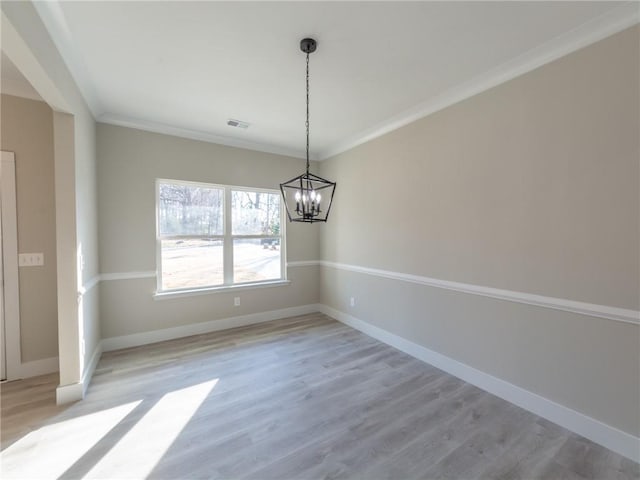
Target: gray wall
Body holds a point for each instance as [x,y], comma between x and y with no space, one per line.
[129,161]
[532,186]
[27,130]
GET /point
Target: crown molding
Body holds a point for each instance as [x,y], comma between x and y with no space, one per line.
[54,21]
[608,24]
[589,32]
[155,127]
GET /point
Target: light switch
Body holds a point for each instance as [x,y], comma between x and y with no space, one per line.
[31,259]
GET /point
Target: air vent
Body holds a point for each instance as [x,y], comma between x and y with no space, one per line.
[237,123]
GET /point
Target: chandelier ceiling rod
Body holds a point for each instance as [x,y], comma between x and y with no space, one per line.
[305,201]
[307,122]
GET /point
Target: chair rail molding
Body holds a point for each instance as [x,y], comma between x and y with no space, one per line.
[573,306]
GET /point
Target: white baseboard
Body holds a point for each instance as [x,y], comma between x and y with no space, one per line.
[76,391]
[39,367]
[136,339]
[69,393]
[88,372]
[596,431]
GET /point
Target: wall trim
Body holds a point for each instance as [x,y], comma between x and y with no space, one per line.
[608,24]
[616,440]
[573,306]
[171,294]
[39,367]
[69,393]
[106,277]
[127,275]
[93,281]
[145,338]
[563,304]
[303,263]
[91,368]
[156,127]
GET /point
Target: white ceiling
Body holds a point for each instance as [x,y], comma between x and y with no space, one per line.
[187,67]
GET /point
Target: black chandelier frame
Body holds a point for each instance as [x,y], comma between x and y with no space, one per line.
[303,195]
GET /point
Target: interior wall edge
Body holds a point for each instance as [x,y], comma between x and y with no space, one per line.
[68,393]
[91,368]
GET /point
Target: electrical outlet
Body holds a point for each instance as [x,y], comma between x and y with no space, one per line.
[31,259]
[236,301]
[352,302]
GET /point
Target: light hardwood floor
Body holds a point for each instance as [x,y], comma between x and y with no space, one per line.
[303,397]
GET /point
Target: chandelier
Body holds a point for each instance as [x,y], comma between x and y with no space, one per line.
[308,197]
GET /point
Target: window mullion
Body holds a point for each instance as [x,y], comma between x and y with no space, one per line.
[227,248]
[158,240]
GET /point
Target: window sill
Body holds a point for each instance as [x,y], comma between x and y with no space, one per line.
[165,295]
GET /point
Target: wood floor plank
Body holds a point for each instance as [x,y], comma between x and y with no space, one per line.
[369,441]
[301,444]
[298,398]
[536,444]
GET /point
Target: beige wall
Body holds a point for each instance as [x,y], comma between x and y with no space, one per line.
[27,130]
[128,306]
[28,45]
[129,162]
[532,186]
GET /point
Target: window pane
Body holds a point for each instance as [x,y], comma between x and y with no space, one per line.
[255,213]
[190,210]
[256,259]
[191,263]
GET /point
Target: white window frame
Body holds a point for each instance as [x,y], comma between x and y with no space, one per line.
[227,242]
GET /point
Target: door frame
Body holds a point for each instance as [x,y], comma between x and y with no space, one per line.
[11,287]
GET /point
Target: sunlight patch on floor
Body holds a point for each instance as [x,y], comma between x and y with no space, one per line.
[138,452]
[49,451]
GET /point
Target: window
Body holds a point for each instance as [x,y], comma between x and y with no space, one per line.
[215,235]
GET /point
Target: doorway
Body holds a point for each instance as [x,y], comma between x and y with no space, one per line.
[9,294]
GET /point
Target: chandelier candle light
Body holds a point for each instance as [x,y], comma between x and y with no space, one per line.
[312,194]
